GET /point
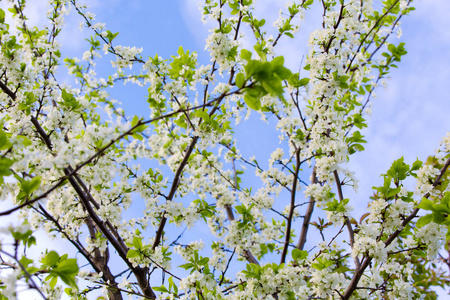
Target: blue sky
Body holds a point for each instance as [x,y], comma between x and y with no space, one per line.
[409,117]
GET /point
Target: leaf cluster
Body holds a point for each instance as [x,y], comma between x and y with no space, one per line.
[266,79]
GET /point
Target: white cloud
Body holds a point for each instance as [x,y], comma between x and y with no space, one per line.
[411,116]
[192,17]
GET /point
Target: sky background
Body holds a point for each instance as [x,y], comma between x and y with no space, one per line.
[409,117]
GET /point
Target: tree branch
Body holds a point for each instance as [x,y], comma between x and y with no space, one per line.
[308,215]
[347,220]
[173,189]
[291,208]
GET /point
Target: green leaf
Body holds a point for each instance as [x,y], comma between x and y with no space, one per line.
[29,186]
[240,80]
[203,261]
[278,61]
[398,170]
[133,253]
[437,207]
[337,206]
[393,192]
[5,165]
[252,102]
[303,82]
[61,267]
[445,200]
[137,136]
[25,261]
[298,254]
[69,101]
[50,259]
[26,105]
[137,242]
[68,266]
[202,114]
[68,279]
[187,266]
[134,121]
[322,264]
[67,270]
[53,281]
[25,237]
[31,241]
[289,34]
[426,204]
[67,96]
[173,285]
[416,165]
[307,3]
[245,54]
[111,36]
[23,140]
[438,218]
[294,81]
[4,141]
[2,16]
[183,66]
[161,289]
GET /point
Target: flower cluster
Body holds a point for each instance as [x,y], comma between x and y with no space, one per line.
[176,179]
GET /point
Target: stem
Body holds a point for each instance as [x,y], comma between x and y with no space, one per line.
[247,254]
[308,215]
[291,208]
[173,189]
[347,220]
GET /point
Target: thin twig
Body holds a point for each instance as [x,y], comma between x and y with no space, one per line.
[308,215]
[347,220]
[291,208]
